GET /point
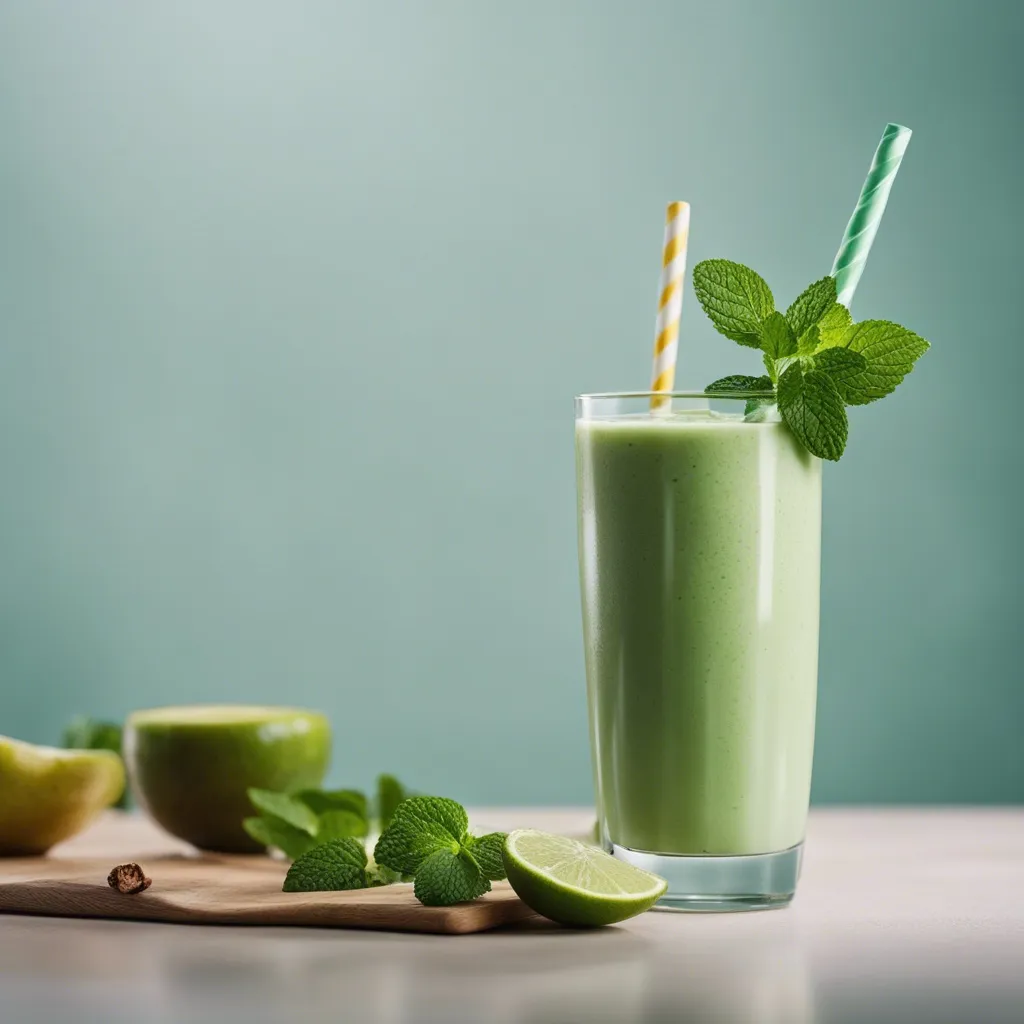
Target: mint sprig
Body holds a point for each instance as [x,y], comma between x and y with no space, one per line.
[423,838]
[818,361]
[295,823]
[429,838]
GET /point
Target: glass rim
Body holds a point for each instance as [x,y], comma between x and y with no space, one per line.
[738,395]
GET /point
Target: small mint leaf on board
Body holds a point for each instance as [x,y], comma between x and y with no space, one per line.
[777,337]
[735,299]
[421,826]
[268,831]
[378,875]
[486,850]
[390,793]
[738,383]
[445,878]
[890,352]
[321,800]
[812,408]
[810,341]
[811,305]
[842,365]
[287,808]
[329,867]
[832,325]
[340,825]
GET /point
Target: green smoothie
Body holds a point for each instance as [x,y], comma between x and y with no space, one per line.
[700,559]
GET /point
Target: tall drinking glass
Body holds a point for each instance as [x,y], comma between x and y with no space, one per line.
[700,552]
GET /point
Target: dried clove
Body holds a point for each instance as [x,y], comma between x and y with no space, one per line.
[128,878]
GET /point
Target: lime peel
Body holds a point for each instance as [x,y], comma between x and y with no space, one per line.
[576,884]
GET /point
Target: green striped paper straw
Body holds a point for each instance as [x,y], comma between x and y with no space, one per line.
[861,230]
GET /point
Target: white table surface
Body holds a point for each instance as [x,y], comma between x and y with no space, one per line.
[907,914]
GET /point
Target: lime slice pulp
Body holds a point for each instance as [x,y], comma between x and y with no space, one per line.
[576,884]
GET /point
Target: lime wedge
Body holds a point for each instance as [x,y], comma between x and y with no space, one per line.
[576,884]
[48,795]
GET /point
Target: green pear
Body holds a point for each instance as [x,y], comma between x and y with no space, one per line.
[48,795]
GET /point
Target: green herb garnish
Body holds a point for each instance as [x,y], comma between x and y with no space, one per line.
[429,839]
[390,793]
[818,360]
[423,839]
[295,823]
[330,867]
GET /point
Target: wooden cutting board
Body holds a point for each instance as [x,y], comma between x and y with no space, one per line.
[225,889]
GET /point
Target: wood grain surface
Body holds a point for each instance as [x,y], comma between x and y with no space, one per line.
[190,888]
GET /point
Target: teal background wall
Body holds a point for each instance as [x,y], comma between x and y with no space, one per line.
[294,299]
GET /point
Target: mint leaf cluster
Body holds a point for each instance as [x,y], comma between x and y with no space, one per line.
[817,360]
[296,823]
[424,839]
[429,839]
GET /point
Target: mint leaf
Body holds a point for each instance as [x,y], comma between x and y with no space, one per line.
[403,846]
[739,384]
[810,341]
[812,408]
[890,352]
[435,810]
[378,875]
[329,867]
[291,841]
[286,808]
[773,370]
[842,365]
[84,733]
[811,305]
[321,800]
[831,326]
[486,850]
[777,337]
[735,299]
[339,825]
[421,826]
[390,793]
[445,878]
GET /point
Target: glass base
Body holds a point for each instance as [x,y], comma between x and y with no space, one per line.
[717,884]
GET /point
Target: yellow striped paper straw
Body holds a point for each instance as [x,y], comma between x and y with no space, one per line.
[670,301]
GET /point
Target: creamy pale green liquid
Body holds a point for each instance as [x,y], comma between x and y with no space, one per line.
[700,562]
